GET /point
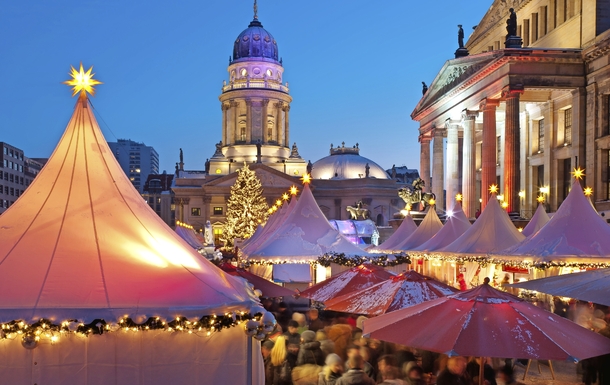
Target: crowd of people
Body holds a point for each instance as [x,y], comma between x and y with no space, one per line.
[327,348]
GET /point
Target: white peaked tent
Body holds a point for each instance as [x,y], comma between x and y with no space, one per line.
[492,231]
[429,226]
[539,219]
[303,236]
[189,236]
[576,234]
[406,228]
[456,225]
[263,232]
[81,244]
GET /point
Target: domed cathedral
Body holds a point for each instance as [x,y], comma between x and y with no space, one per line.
[256,107]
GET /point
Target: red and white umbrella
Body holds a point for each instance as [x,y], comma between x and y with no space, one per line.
[485,322]
[356,278]
[406,289]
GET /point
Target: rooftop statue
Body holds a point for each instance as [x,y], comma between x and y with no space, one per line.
[460,36]
[424,88]
[511,23]
[358,210]
[414,195]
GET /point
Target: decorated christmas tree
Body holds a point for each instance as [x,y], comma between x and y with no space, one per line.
[246,208]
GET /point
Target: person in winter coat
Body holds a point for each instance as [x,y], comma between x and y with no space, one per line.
[472,368]
[355,375]
[454,373]
[332,371]
[281,367]
[266,348]
[310,352]
[315,323]
[326,344]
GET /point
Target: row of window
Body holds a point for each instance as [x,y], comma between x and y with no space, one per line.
[567,131]
[15,192]
[14,154]
[6,203]
[13,165]
[14,178]
[196,211]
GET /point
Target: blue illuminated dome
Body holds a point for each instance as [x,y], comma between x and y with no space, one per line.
[255,43]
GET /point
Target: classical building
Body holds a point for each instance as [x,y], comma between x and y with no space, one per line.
[255,108]
[157,192]
[524,102]
[136,159]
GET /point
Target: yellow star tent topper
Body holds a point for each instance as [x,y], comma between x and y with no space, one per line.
[82,82]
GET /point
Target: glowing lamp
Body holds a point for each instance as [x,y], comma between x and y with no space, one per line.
[82,82]
[285,196]
[278,202]
[521,194]
[520,229]
[578,173]
[432,202]
[306,178]
[449,213]
[588,191]
[544,190]
[493,189]
[458,197]
[540,199]
[294,190]
[404,212]
[504,205]
[500,197]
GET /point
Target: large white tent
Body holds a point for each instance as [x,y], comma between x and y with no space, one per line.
[262,233]
[575,235]
[456,225]
[406,228]
[187,233]
[539,219]
[429,226]
[81,249]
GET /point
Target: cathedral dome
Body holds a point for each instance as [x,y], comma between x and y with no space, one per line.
[255,42]
[346,163]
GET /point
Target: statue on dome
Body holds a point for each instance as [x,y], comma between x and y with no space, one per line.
[294,152]
[181,156]
[207,166]
[511,23]
[461,36]
[394,171]
[414,195]
[367,170]
[218,152]
[309,167]
[358,210]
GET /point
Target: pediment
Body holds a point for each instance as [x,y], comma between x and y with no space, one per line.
[494,18]
[454,73]
[268,176]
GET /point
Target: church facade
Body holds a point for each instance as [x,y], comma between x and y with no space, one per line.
[255,104]
[525,101]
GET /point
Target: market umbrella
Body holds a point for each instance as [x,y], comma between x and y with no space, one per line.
[485,322]
[590,286]
[400,291]
[356,278]
[268,288]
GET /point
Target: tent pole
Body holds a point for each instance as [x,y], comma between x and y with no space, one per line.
[249,361]
[481,371]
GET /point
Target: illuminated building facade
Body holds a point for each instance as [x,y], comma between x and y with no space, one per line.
[522,117]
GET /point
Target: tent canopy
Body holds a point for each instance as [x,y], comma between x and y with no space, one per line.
[406,228]
[81,243]
[304,235]
[426,230]
[539,219]
[456,225]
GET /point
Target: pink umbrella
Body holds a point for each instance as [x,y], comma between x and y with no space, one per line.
[486,322]
[403,290]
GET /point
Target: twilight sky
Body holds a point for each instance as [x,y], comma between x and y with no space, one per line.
[354,68]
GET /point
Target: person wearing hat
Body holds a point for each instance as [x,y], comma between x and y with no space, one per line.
[332,370]
[293,339]
[310,352]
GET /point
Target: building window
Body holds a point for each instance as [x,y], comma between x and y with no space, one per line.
[541,136]
[567,127]
[567,178]
[218,210]
[196,211]
[217,235]
[270,125]
[242,134]
[498,150]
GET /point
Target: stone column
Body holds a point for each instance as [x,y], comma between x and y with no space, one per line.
[225,129]
[438,172]
[512,149]
[248,121]
[278,123]
[469,176]
[488,150]
[424,160]
[453,173]
[264,123]
[287,126]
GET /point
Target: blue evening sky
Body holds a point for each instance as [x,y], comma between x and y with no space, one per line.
[354,68]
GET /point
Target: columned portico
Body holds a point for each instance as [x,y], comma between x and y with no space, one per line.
[512,148]
[424,160]
[438,174]
[453,173]
[469,180]
[488,148]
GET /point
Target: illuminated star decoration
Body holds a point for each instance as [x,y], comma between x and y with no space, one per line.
[578,173]
[540,199]
[306,179]
[285,196]
[278,202]
[493,189]
[294,190]
[458,197]
[588,191]
[82,82]
[432,202]
[504,205]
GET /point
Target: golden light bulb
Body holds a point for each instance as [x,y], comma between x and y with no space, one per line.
[493,189]
[578,173]
[432,202]
[278,202]
[504,205]
[82,82]
[458,197]
[285,196]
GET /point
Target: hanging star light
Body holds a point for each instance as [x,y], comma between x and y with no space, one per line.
[432,202]
[578,173]
[493,189]
[82,82]
[294,190]
[285,196]
[540,199]
[588,191]
[504,205]
[458,197]
[278,202]
[306,178]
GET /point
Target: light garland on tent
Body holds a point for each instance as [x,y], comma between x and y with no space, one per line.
[44,328]
[336,258]
[185,225]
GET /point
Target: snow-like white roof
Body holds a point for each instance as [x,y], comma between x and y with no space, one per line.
[539,219]
[81,243]
[426,230]
[304,236]
[456,225]
[406,228]
[575,233]
[262,233]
